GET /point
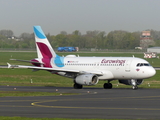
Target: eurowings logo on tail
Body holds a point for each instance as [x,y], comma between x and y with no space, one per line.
[44,49]
[59,61]
[38,32]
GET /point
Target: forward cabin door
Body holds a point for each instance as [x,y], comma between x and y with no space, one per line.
[128,66]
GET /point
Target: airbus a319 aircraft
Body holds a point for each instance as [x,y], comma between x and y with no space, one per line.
[88,70]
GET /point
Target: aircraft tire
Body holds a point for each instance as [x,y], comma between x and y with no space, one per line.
[135,87]
[107,86]
[77,86]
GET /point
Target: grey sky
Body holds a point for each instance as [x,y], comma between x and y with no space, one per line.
[55,16]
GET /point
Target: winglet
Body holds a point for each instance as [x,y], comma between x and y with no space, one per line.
[9,65]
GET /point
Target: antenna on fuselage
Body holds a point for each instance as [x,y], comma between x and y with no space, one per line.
[133,56]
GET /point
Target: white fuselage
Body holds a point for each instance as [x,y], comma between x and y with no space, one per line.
[109,67]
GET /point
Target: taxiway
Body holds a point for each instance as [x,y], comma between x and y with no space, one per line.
[91,103]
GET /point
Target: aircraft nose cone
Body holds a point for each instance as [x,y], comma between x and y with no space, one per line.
[152,72]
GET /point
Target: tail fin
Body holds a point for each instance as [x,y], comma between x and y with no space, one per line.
[44,49]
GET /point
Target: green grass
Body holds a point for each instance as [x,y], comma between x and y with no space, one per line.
[25,93]
[24,118]
[24,77]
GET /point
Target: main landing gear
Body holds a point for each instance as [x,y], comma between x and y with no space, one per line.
[107,86]
[77,86]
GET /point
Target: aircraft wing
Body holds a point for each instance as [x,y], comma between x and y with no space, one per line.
[55,69]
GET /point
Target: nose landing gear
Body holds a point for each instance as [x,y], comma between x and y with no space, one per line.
[134,84]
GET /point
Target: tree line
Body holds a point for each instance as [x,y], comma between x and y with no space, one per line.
[117,39]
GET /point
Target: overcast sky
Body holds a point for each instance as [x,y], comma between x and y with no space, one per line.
[55,16]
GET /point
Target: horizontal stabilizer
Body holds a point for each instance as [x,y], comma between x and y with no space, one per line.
[29,61]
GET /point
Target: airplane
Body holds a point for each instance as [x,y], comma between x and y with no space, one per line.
[88,70]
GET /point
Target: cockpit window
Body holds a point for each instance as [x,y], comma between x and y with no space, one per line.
[143,64]
[138,64]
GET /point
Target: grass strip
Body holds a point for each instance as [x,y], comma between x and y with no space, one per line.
[25,93]
[25,118]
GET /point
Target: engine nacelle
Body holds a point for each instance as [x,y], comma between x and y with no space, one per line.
[128,82]
[87,79]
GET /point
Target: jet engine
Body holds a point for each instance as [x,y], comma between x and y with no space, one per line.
[129,82]
[87,79]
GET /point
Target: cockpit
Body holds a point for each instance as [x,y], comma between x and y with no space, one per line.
[143,64]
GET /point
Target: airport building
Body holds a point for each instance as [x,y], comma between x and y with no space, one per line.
[153,49]
[146,39]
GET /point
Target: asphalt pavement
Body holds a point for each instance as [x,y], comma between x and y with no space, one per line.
[90,103]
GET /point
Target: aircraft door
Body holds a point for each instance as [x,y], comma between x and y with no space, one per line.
[128,64]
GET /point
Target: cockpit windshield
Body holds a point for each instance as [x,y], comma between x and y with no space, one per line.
[143,64]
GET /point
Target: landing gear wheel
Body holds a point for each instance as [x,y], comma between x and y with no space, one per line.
[107,86]
[77,86]
[135,87]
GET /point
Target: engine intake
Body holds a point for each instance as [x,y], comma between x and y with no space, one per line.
[87,79]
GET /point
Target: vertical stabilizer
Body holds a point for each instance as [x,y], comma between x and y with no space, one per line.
[44,49]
